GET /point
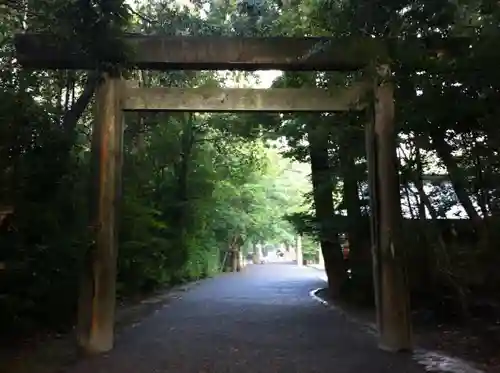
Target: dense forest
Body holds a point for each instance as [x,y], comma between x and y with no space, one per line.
[194,183]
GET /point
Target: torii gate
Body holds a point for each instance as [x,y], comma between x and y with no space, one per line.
[97,298]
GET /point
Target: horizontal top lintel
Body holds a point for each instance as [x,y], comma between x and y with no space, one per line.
[214,99]
[160,52]
[205,53]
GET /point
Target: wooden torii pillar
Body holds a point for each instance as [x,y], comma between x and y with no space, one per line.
[298,250]
[389,273]
[96,305]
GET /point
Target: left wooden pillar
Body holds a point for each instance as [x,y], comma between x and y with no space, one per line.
[96,306]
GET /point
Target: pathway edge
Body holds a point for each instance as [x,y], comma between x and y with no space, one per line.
[432,361]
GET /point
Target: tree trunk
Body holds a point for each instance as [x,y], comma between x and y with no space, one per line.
[323,202]
[420,182]
[444,150]
[182,171]
[459,183]
[359,254]
[482,192]
[439,265]
[71,117]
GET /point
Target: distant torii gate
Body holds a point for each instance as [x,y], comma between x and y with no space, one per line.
[97,298]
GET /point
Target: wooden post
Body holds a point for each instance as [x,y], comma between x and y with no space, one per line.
[255,259]
[234,259]
[257,254]
[298,250]
[390,276]
[96,306]
[241,259]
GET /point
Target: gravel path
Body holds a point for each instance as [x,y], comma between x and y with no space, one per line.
[261,320]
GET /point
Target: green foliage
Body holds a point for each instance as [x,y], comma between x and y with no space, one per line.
[192,183]
[445,115]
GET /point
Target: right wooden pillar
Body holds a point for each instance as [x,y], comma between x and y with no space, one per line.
[390,280]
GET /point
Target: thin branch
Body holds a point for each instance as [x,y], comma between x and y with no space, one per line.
[143,17]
